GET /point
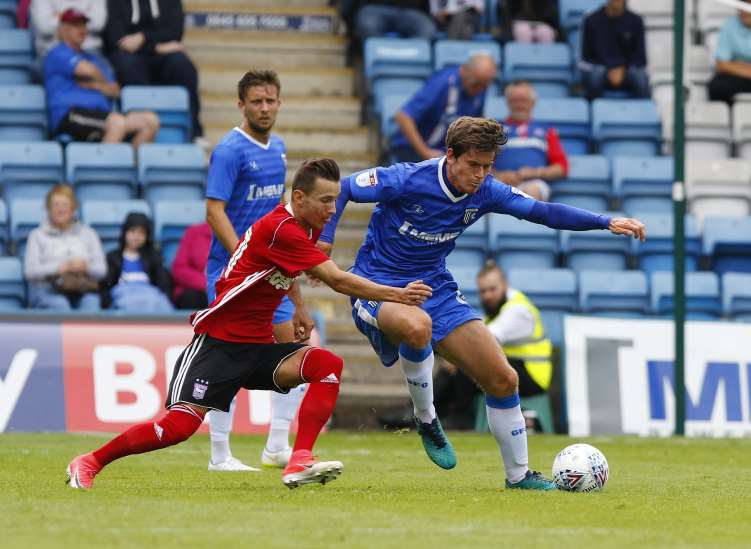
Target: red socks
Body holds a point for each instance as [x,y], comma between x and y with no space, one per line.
[178,425]
[323,370]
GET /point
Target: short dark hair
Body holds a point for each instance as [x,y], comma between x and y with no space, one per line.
[481,134]
[258,77]
[306,175]
[491,267]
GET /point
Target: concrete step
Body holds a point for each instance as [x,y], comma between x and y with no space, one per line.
[313,81]
[244,49]
[362,365]
[295,112]
[329,142]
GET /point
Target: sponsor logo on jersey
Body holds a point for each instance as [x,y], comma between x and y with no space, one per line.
[267,191]
[331,378]
[469,215]
[367,179]
[199,389]
[279,281]
[460,298]
[431,238]
[519,431]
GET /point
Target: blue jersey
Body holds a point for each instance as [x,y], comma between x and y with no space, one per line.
[420,215]
[249,176]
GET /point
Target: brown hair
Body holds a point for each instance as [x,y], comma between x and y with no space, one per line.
[481,134]
[491,267]
[258,77]
[306,175]
[62,189]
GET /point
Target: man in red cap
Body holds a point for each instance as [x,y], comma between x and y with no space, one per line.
[80,89]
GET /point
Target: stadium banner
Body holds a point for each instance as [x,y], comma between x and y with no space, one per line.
[98,374]
[619,377]
[260,22]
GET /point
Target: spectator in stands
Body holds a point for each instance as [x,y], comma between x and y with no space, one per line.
[613,54]
[533,155]
[447,95]
[136,279]
[144,38]
[733,59]
[189,268]
[408,18]
[529,20]
[459,19]
[64,259]
[80,89]
[45,17]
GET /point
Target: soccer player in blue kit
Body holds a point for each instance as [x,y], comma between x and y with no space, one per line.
[245,182]
[422,208]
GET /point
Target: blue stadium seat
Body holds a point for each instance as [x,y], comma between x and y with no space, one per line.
[736,295]
[644,184]
[571,13]
[29,170]
[471,257]
[656,253]
[613,293]
[23,115]
[390,105]
[16,56]
[702,295]
[626,127]
[466,279]
[101,171]
[171,171]
[727,240]
[547,288]
[521,244]
[12,286]
[587,184]
[172,105]
[394,86]
[474,237]
[171,219]
[546,66]
[25,216]
[7,14]
[396,58]
[451,53]
[3,227]
[106,217]
[595,250]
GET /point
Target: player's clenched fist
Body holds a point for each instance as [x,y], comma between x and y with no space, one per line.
[415,293]
[629,227]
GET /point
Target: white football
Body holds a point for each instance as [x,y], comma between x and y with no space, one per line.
[580,468]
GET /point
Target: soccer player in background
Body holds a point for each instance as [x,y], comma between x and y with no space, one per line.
[245,182]
[234,347]
[422,209]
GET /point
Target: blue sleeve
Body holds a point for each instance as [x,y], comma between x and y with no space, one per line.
[426,97]
[223,170]
[60,60]
[724,51]
[370,186]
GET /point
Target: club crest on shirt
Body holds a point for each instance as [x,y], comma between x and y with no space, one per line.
[279,281]
[199,389]
[469,215]
[367,179]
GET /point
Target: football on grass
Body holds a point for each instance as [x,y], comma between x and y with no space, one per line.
[580,468]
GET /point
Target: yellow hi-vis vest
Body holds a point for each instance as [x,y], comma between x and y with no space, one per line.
[537,350]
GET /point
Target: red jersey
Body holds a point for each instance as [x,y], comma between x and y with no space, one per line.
[274,251]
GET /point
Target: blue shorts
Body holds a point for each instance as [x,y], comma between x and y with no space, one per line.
[282,314]
[447,308]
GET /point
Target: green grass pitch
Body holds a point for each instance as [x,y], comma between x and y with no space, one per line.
[661,493]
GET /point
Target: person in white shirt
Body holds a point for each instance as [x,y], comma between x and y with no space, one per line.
[45,17]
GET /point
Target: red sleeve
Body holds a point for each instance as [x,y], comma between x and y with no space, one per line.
[556,154]
[292,251]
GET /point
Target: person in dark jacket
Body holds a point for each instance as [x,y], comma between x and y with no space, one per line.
[136,278]
[529,20]
[144,41]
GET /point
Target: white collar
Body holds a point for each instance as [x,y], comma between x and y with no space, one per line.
[446,190]
[265,147]
[288,207]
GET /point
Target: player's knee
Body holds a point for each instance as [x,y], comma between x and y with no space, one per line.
[177,426]
[503,384]
[320,364]
[418,332]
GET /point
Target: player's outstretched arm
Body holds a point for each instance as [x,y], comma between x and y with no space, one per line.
[629,227]
[350,284]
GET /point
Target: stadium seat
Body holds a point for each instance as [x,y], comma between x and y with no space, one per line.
[390,105]
[7,14]
[466,279]
[101,171]
[587,184]
[546,66]
[16,56]
[707,132]
[521,244]
[23,115]
[396,58]
[394,86]
[711,16]
[702,291]
[175,172]
[626,127]
[29,170]
[171,219]
[25,216]
[12,285]
[613,293]
[451,53]
[462,257]
[106,217]
[3,227]
[571,13]
[170,103]
[727,240]
[474,237]
[656,253]
[595,250]
[736,295]
[742,129]
[644,184]
[719,187]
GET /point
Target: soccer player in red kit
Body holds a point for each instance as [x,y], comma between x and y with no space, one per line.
[233,346]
